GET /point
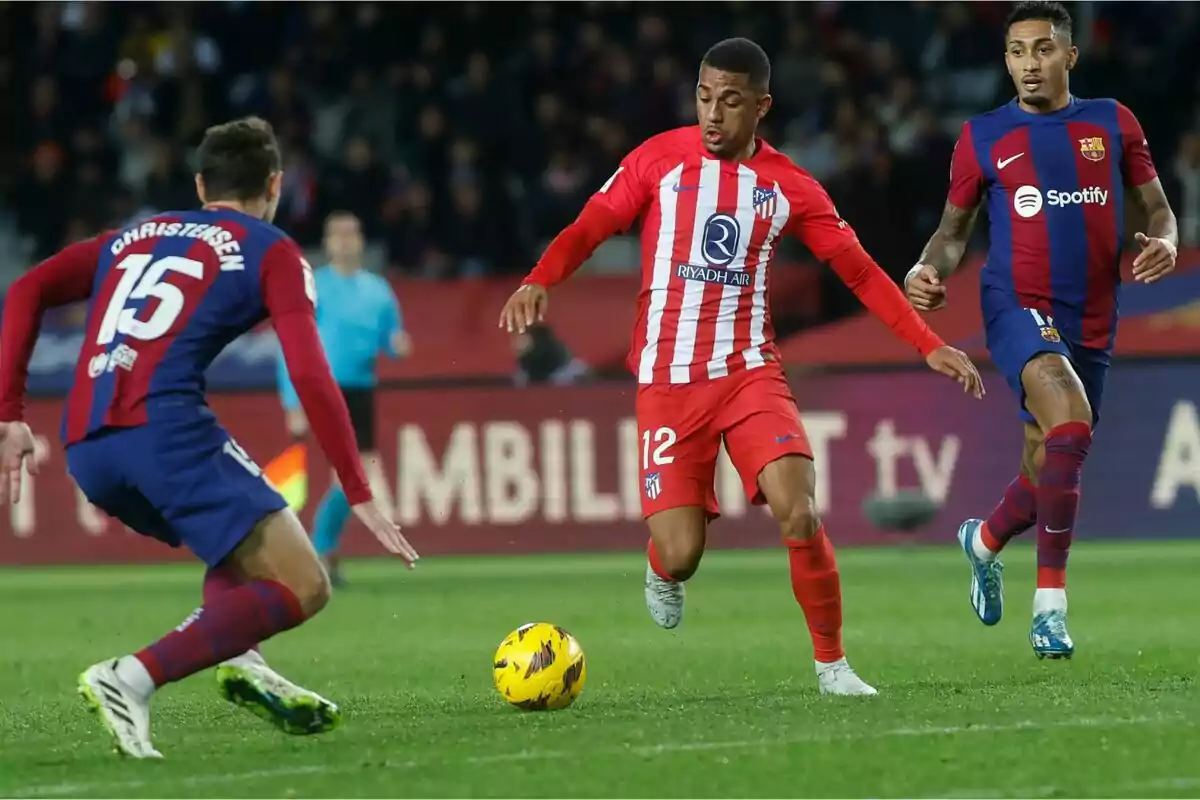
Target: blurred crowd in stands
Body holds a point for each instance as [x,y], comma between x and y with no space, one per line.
[465,135]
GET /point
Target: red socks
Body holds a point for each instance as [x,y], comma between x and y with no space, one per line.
[228,624]
[221,579]
[1016,514]
[818,590]
[1058,500]
[656,563]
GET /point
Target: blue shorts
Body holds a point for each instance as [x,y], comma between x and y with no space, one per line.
[180,479]
[1015,335]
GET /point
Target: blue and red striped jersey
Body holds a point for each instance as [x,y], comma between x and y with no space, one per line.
[164,297]
[1054,185]
[167,296]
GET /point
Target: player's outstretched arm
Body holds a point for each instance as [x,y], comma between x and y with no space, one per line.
[64,278]
[1160,241]
[289,296]
[923,286]
[610,210]
[882,298]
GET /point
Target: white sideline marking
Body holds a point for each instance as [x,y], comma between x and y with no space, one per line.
[1128,788]
[105,787]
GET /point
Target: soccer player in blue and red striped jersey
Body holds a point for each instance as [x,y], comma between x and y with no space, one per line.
[1054,170]
[164,298]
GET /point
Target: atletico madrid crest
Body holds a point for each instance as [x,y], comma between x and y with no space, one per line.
[653,485]
[764,203]
[1092,148]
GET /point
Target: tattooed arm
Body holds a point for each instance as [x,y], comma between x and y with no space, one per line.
[946,247]
[924,285]
[1160,242]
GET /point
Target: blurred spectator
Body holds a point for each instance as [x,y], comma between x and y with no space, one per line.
[1187,173]
[542,358]
[467,135]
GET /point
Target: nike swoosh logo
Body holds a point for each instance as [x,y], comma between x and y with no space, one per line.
[1060,530]
[782,439]
[679,188]
[1001,163]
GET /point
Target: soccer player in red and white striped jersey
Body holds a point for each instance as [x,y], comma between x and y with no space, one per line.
[714,200]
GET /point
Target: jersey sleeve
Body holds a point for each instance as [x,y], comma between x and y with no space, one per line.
[1136,165]
[816,222]
[966,177]
[289,293]
[612,209]
[65,277]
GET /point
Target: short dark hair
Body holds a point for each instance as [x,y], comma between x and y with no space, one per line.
[1054,13]
[339,214]
[743,57]
[236,159]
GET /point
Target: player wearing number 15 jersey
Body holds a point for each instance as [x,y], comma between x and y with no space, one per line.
[1053,170]
[164,297]
[714,201]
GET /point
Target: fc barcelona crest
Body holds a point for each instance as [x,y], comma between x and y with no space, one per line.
[1050,334]
[1092,148]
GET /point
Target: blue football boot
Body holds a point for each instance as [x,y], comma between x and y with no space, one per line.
[1049,636]
[987,577]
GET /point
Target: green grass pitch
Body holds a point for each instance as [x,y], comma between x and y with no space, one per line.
[726,706]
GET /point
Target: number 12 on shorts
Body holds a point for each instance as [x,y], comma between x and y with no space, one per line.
[655,446]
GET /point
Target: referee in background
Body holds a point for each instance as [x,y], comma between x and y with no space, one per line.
[358,317]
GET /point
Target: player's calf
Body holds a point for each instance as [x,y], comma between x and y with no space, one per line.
[673,555]
[1057,399]
[788,486]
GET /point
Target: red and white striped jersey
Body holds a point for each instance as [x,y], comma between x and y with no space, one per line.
[710,228]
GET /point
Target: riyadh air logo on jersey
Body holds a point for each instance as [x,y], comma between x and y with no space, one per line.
[1028,200]
[720,240]
[764,203]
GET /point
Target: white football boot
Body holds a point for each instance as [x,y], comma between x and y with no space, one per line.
[248,681]
[664,600]
[124,711]
[838,678]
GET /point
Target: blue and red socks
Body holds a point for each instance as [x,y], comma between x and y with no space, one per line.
[1016,513]
[1058,502]
[232,622]
[817,587]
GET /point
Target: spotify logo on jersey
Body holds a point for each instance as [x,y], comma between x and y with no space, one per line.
[1027,201]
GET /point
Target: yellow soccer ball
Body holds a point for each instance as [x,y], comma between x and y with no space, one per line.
[539,667]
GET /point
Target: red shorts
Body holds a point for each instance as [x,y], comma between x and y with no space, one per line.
[680,428]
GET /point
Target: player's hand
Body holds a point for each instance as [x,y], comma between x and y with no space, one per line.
[297,422]
[1156,259]
[956,364]
[526,306]
[386,531]
[924,289]
[16,445]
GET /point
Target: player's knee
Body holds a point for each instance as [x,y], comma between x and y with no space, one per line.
[679,556]
[311,587]
[798,519]
[315,593]
[1054,393]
